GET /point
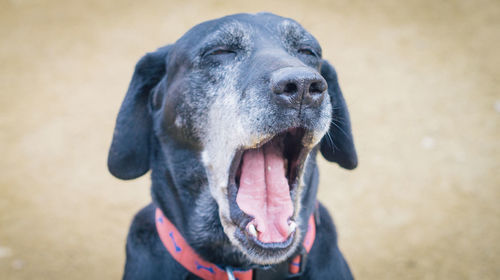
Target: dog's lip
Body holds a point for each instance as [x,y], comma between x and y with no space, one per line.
[274,245]
[241,219]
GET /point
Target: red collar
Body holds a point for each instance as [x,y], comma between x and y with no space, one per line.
[180,250]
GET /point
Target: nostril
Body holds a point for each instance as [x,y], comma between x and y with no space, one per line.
[290,88]
[317,87]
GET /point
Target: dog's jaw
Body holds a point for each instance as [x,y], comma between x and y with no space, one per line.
[217,157]
[218,185]
[219,190]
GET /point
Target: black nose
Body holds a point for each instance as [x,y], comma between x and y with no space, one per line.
[298,86]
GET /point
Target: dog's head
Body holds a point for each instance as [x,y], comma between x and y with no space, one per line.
[248,99]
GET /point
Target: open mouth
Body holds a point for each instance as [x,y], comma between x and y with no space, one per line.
[262,191]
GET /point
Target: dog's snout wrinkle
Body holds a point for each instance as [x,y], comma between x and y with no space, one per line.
[298,87]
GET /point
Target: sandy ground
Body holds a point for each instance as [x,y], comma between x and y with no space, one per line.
[421,78]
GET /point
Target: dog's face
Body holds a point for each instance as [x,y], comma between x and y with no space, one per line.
[250,97]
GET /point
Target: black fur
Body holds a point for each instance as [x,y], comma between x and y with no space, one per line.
[337,145]
[129,153]
[162,126]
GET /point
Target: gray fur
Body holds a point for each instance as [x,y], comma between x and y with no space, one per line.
[225,116]
[212,98]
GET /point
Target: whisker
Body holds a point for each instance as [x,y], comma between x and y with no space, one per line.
[331,140]
[343,131]
[339,118]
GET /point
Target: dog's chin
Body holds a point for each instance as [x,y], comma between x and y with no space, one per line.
[264,196]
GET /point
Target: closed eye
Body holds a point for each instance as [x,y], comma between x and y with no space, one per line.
[219,51]
[307,51]
[222,51]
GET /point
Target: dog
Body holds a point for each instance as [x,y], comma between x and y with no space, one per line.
[229,119]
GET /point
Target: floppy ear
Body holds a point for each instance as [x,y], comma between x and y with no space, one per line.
[338,145]
[128,156]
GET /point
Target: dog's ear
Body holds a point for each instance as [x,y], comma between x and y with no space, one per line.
[128,156]
[338,145]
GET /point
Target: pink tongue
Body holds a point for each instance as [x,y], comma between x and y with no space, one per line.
[264,193]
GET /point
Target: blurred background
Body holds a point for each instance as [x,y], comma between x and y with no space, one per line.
[421,79]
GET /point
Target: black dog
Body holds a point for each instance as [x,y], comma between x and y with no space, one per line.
[230,119]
